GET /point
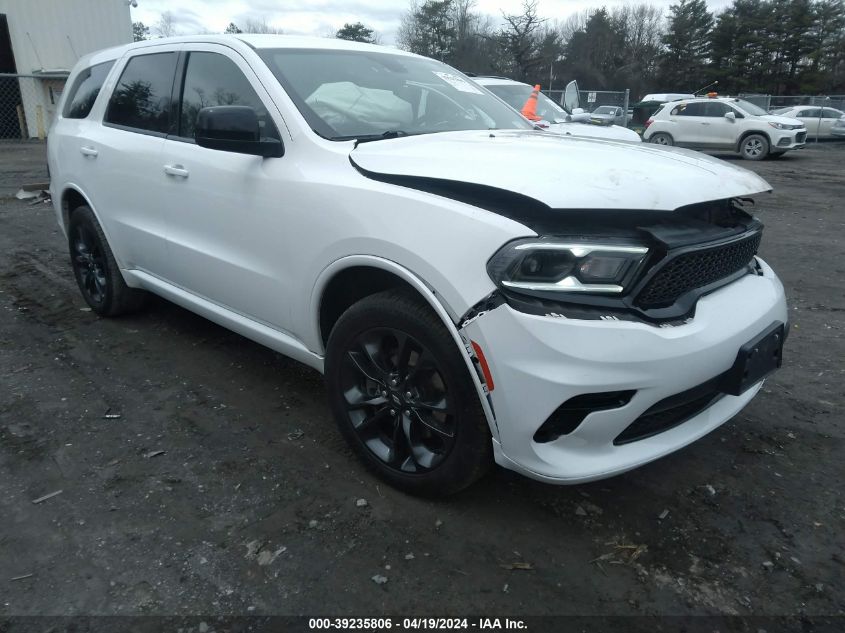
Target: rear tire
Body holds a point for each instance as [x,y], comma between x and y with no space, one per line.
[661,138]
[403,398]
[754,147]
[97,273]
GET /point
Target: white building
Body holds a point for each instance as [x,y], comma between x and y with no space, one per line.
[41,40]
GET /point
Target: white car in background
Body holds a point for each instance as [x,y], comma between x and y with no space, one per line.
[472,288]
[725,123]
[818,121]
[576,122]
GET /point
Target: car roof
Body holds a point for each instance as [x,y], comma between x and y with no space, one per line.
[252,40]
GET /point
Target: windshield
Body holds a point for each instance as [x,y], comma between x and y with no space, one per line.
[356,94]
[749,107]
[516,96]
[605,110]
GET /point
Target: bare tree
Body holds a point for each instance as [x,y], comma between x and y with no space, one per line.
[519,39]
[165,26]
[260,26]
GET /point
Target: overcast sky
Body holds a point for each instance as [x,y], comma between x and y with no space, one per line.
[324,17]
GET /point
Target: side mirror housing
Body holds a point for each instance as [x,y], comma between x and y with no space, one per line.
[730,116]
[234,129]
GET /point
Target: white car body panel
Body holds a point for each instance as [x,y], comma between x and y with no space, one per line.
[817,126]
[252,243]
[631,176]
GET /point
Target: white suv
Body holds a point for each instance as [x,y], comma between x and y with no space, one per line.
[473,289]
[725,123]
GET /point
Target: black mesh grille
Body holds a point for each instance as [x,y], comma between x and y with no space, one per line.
[696,269]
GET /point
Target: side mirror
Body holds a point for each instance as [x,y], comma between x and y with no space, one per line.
[235,129]
[730,116]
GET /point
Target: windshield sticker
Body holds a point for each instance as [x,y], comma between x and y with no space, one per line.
[458,83]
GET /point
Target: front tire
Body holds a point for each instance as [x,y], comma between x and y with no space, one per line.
[96,271]
[754,147]
[661,138]
[403,398]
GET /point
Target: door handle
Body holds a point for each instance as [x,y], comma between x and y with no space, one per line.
[176,170]
[88,151]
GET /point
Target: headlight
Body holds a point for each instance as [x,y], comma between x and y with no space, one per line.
[561,266]
[783,126]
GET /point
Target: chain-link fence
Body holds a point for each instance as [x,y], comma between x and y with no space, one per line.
[28,105]
[773,102]
[592,99]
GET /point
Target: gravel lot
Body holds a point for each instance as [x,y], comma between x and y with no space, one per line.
[223,486]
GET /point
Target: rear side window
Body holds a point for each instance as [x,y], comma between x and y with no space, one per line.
[690,109]
[141,99]
[85,89]
[212,79]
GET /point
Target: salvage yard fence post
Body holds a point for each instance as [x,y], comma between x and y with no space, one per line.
[28,105]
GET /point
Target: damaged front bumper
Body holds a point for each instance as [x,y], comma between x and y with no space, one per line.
[534,364]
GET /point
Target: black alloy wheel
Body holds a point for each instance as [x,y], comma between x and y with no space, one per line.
[403,396]
[89,264]
[95,268]
[397,400]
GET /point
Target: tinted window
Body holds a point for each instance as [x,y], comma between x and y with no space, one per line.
[690,109]
[212,80]
[141,98]
[85,90]
[830,113]
[715,109]
[812,113]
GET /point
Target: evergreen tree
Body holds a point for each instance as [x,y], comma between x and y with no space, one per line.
[686,46]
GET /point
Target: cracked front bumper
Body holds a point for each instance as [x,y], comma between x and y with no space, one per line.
[539,362]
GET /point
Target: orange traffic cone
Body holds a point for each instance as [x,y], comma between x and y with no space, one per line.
[529,110]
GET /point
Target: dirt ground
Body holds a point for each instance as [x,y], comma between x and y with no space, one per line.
[219,485]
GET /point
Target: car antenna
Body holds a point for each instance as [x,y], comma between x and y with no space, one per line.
[706,87]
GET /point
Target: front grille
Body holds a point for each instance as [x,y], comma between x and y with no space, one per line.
[800,137]
[670,412]
[696,269]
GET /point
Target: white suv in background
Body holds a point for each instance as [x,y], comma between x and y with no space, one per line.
[724,123]
[473,289]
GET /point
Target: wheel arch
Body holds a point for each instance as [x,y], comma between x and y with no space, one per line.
[352,278]
[71,198]
[748,133]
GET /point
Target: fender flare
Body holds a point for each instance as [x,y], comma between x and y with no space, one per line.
[427,293]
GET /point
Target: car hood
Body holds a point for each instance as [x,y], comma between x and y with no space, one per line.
[561,172]
[777,118]
[589,130]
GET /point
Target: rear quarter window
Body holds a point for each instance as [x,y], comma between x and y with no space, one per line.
[142,97]
[85,89]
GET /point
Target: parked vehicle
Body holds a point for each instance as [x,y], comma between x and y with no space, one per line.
[473,289]
[609,115]
[725,123]
[574,121]
[818,121]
